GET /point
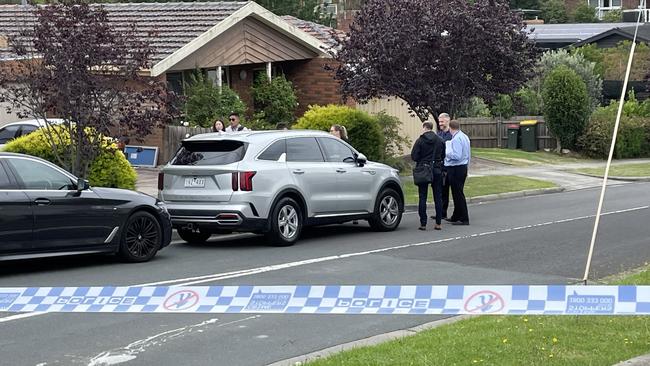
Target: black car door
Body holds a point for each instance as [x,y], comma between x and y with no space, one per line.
[16,218]
[63,216]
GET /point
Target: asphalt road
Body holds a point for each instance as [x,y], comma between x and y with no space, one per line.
[531,240]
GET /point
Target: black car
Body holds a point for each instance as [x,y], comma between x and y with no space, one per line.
[46,211]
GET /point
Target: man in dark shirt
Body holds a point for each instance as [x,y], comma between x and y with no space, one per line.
[430,150]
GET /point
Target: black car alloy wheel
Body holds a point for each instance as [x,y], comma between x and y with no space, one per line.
[141,238]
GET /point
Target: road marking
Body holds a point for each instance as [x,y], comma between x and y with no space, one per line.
[252,271]
[130,352]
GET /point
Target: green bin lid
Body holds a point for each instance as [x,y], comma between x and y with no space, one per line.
[530,122]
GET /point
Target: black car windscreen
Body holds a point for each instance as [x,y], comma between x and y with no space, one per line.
[219,152]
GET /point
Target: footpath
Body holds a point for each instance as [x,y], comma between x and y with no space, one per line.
[560,174]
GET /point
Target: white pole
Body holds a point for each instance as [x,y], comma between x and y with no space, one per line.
[219,79]
[611,153]
[268,71]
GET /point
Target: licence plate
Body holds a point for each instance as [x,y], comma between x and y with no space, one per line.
[194,182]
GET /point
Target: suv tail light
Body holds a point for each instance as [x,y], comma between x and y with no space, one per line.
[161,180]
[235,181]
[246,181]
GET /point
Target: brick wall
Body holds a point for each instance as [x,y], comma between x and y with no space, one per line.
[630,4]
[313,84]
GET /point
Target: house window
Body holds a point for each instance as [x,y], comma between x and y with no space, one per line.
[604,6]
[175,82]
[225,76]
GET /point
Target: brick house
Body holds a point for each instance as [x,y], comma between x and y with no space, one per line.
[230,41]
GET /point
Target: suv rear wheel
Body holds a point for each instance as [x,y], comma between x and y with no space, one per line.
[286,223]
[387,215]
[194,236]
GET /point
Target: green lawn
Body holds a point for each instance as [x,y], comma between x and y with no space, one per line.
[523,158]
[623,170]
[481,186]
[515,340]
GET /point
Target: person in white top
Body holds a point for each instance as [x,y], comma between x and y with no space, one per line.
[234,124]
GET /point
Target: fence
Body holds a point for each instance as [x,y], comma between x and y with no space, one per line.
[172,138]
[485,132]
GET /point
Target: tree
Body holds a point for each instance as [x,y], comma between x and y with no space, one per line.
[77,67]
[524,4]
[554,11]
[310,10]
[584,13]
[435,61]
[576,62]
[566,105]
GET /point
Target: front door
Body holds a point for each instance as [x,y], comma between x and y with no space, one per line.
[63,216]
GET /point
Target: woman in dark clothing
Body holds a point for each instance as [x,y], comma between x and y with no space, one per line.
[429,149]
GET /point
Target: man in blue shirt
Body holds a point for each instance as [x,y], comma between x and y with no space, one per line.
[457,157]
[445,135]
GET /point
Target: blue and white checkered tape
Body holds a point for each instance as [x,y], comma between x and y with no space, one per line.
[367,299]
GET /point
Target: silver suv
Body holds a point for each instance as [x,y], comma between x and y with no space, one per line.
[275,183]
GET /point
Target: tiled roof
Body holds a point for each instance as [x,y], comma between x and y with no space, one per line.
[175,24]
[321,32]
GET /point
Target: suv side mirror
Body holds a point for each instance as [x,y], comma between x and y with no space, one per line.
[82,184]
[361,159]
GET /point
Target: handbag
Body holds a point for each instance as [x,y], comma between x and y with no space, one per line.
[422,174]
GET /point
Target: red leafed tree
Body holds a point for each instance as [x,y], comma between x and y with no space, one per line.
[434,54]
[73,64]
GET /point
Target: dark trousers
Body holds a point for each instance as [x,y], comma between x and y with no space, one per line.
[456,175]
[445,193]
[423,193]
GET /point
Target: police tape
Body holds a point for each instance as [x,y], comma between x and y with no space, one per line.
[369,299]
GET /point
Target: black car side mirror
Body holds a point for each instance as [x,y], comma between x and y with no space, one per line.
[82,184]
[361,159]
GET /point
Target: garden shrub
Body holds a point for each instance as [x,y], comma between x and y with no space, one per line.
[364,132]
[274,102]
[566,105]
[584,13]
[204,101]
[109,169]
[527,102]
[394,143]
[633,138]
[502,107]
[475,107]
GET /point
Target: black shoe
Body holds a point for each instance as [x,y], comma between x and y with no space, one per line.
[464,223]
[432,217]
[423,227]
[447,219]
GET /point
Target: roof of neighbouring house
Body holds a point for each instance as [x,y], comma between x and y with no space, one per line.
[323,33]
[643,35]
[569,33]
[183,27]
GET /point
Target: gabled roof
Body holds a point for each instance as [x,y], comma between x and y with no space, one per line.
[627,32]
[251,9]
[568,33]
[180,28]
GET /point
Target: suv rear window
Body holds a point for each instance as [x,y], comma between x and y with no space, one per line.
[219,152]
